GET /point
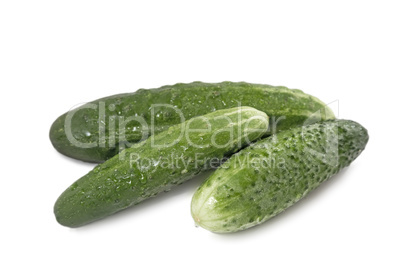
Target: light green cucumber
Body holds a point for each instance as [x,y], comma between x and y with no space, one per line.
[98,130]
[269,176]
[158,163]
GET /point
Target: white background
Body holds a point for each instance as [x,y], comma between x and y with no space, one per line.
[56,54]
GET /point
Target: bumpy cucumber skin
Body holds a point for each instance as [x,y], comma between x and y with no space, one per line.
[238,196]
[119,183]
[287,107]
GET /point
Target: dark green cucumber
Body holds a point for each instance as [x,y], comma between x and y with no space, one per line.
[98,130]
[158,163]
[269,176]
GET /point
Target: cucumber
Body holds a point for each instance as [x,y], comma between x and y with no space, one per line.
[158,163]
[100,129]
[272,174]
